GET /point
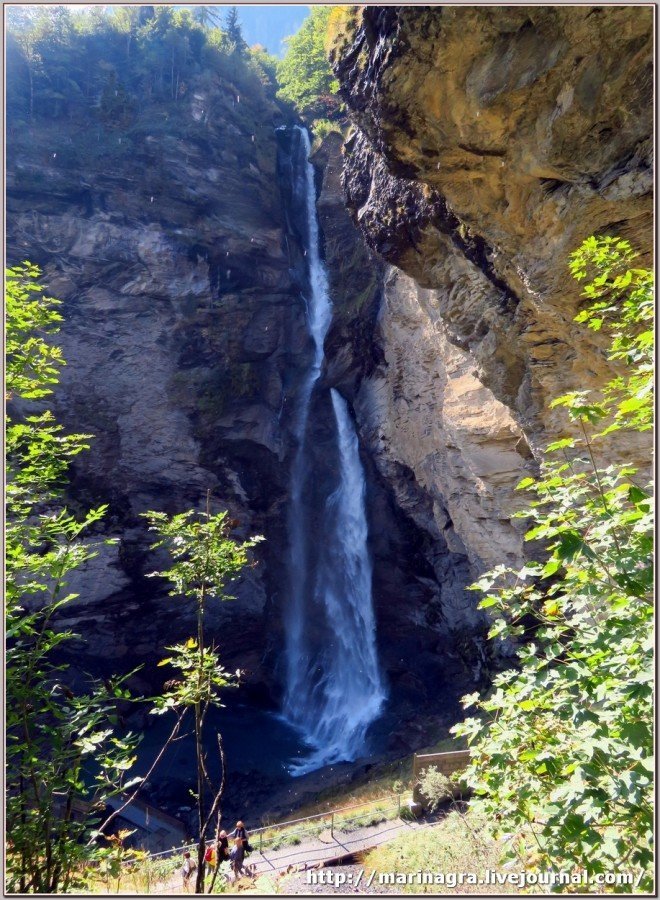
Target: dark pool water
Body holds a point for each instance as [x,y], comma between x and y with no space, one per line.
[254,740]
[260,748]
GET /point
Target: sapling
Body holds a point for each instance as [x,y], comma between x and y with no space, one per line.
[205,561]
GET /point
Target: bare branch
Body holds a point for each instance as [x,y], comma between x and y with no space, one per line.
[167,743]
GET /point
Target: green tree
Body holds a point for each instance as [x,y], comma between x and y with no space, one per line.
[562,754]
[234,32]
[266,66]
[65,761]
[115,106]
[55,731]
[207,17]
[21,21]
[304,74]
[205,560]
[61,63]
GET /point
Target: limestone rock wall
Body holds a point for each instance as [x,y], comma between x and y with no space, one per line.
[181,325]
[425,408]
[487,144]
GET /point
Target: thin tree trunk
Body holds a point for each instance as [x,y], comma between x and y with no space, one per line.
[21,788]
[167,743]
[201,772]
[219,810]
[201,847]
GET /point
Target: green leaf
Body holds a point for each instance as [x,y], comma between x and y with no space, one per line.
[570,544]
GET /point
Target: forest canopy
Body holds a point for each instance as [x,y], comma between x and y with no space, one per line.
[63,64]
[305,76]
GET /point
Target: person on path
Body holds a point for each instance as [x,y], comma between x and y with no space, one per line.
[223,847]
[211,857]
[236,857]
[240,832]
[188,867]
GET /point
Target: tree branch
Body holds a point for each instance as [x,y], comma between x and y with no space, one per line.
[167,743]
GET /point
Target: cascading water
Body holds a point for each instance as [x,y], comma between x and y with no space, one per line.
[334,689]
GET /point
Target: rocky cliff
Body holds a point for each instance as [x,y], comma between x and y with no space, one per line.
[181,323]
[487,144]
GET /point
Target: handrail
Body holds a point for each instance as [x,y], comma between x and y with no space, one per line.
[345,845]
[320,815]
[264,828]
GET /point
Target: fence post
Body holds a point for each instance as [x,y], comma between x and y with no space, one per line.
[332,825]
[261,842]
[398,800]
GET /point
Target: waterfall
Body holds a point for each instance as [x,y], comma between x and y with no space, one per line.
[334,689]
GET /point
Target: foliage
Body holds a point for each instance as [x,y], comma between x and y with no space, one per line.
[205,560]
[461,843]
[207,16]
[201,677]
[436,787]
[563,756]
[232,29]
[113,858]
[265,65]
[323,127]
[91,62]
[304,74]
[55,730]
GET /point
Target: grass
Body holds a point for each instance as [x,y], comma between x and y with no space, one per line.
[461,843]
[140,877]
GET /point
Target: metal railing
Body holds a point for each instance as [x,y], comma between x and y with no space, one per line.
[272,838]
[336,819]
[343,848]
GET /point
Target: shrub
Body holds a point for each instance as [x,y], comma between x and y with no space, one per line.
[436,787]
[323,127]
[64,761]
[563,755]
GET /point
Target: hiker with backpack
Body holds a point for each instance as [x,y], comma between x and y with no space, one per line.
[187,869]
[222,848]
[211,857]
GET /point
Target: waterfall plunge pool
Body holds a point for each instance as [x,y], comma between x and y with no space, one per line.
[261,748]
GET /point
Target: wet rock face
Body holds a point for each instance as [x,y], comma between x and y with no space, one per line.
[355,275]
[181,326]
[488,143]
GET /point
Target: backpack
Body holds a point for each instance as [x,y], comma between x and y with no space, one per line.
[208,856]
[189,867]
